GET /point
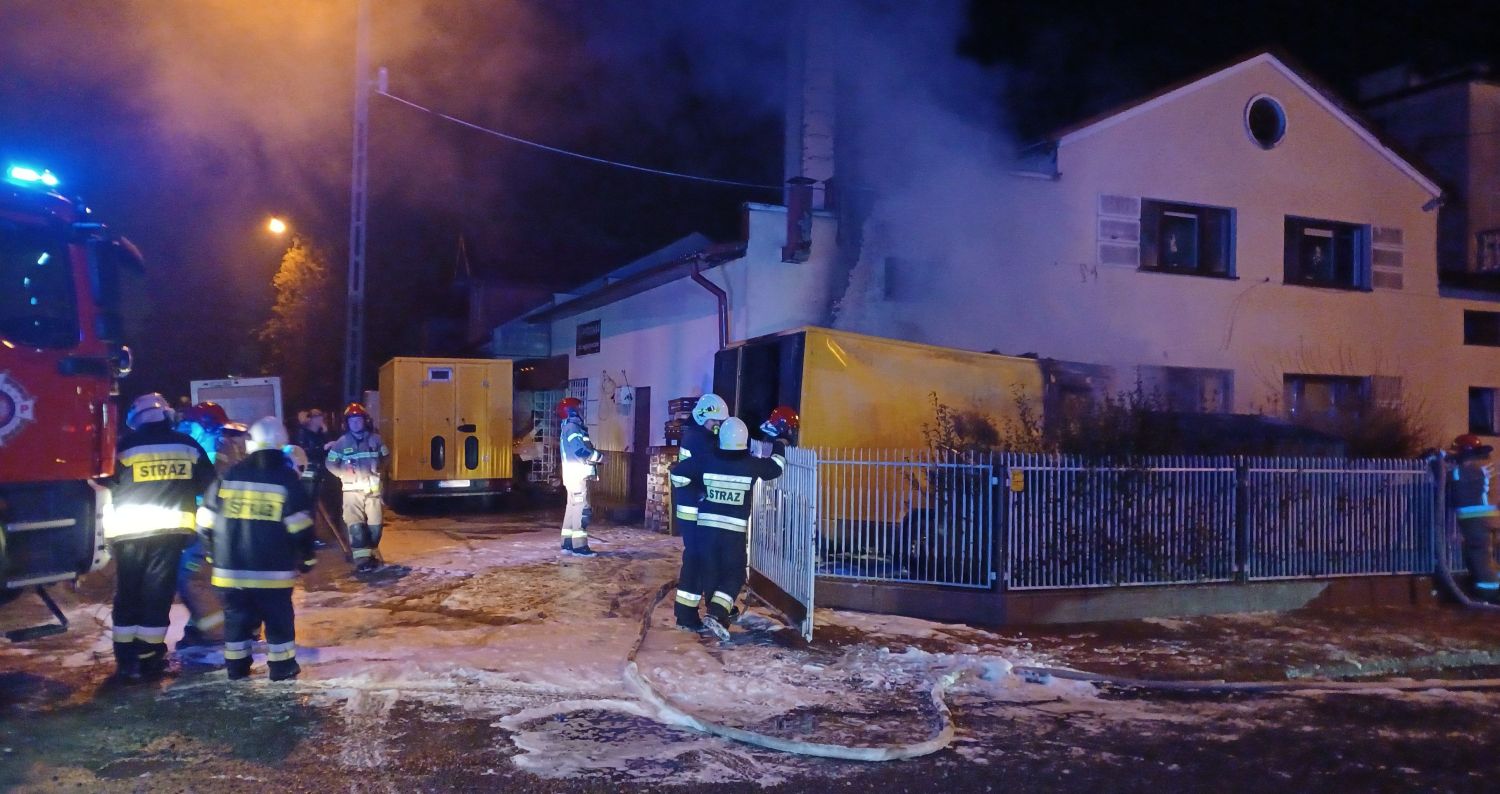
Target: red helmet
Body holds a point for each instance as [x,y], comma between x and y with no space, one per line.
[1470,444]
[207,414]
[570,406]
[355,409]
[782,422]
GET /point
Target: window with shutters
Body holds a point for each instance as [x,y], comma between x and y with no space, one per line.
[1119,231]
[1323,253]
[1187,238]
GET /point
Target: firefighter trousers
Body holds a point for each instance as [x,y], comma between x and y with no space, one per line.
[362,517]
[145,580]
[730,555]
[245,609]
[1479,548]
[697,573]
[193,588]
[575,525]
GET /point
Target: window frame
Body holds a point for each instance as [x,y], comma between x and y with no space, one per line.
[1153,215]
[1472,326]
[1489,394]
[1359,252]
[1293,385]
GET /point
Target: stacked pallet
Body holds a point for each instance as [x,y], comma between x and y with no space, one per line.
[658,490]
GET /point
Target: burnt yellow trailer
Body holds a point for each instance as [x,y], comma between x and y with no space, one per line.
[868,392]
[447,422]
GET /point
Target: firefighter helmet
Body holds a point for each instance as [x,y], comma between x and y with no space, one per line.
[782,422]
[148,408]
[208,414]
[1470,445]
[266,433]
[733,435]
[709,407]
[355,409]
[569,406]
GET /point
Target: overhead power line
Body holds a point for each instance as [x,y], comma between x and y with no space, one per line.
[577,155]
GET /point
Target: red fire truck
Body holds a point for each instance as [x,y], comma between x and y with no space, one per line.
[61,355]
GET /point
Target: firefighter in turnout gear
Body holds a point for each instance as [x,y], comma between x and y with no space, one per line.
[257,522]
[209,425]
[355,458]
[696,576]
[578,458]
[727,479]
[155,489]
[1478,519]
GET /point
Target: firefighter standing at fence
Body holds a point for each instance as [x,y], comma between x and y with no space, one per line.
[578,457]
[727,479]
[257,520]
[356,458]
[1478,519]
[154,493]
[696,576]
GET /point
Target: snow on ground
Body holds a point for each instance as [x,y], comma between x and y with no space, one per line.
[481,617]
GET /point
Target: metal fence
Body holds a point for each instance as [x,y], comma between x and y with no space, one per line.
[907,516]
[1070,523]
[1313,517]
[784,532]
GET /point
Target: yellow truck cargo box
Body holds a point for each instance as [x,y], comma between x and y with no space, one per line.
[868,392]
[447,422]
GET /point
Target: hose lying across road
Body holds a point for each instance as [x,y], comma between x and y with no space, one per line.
[681,716]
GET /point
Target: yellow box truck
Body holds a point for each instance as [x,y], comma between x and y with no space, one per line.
[868,392]
[447,422]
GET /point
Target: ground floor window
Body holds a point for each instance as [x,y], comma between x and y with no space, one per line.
[1325,396]
[1481,411]
[1191,389]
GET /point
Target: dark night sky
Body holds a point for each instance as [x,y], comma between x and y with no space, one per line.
[186,122]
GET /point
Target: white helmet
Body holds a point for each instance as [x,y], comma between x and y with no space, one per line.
[710,406]
[733,434]
[267,433]
[148,408]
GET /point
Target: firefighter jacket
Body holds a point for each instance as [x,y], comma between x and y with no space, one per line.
[255,522]
[156,485]
[697,440]
[1469,488]
[577,449]
[355,460]
[727,480]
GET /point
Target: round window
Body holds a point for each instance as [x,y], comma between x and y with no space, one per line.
[1265,121]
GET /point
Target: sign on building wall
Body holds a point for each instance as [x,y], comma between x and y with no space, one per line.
[588,338]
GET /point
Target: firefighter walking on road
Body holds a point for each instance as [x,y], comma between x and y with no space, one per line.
[154,490]
[356,458]
[257,520]
[727,479]
[696,576]
[1478,518]
[579,457]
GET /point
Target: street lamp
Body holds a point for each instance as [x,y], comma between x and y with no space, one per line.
[276,226]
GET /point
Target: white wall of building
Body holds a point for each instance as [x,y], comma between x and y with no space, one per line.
[665,338]
[1027,275]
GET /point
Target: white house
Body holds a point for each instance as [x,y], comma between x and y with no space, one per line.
[1240,242]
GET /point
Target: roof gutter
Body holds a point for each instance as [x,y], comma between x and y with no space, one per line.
[719,294]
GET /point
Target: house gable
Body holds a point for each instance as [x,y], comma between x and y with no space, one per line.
[1266,60]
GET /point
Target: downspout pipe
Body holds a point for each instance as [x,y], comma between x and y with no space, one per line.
[719,294]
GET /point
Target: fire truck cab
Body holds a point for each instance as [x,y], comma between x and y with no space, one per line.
[61,355]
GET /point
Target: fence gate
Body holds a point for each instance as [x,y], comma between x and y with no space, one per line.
[784,538]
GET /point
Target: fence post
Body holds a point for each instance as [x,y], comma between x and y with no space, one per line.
[999,499]
[1241,520]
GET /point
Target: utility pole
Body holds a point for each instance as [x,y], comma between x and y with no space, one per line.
[354,340]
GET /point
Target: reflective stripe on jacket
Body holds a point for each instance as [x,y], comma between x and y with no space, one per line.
[156,485]
[256,523]
[727,480]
